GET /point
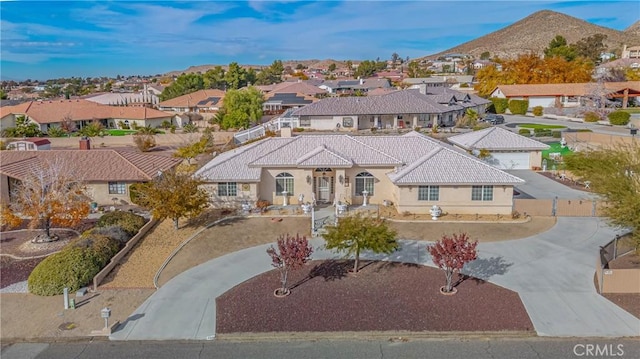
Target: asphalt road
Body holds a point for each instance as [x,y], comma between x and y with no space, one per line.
[423,348]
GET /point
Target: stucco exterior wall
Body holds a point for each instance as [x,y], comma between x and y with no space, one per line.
[99,193]
[456,200]
[246,192]
[535,159]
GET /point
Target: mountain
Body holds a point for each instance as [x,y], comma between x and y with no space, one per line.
[534,32]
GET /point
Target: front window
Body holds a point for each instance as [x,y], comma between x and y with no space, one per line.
[227,189]
[117,188]
[347,122]
[482,193]
[428,193]
[284,182]
[364,181]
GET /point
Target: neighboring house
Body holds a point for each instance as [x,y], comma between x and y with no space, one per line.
[632,52]
[607,68]
[506,149]
[413,171]
[202,101]
[399,109]
[106,173]
[30,144]
[438,81]
[349,87]
[53,113]
[567,94]
[278,102]
[307,88]
[124,99]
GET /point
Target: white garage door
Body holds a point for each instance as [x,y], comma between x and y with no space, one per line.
[511,160]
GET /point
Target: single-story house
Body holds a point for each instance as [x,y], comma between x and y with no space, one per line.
[506,149]
[348,87]
[107,173]
[567,94]
[307,87]
[412,171]
[53,113]
[202,101]
[412,108]
[279,102]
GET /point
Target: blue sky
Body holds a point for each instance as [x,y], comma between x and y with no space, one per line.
[50,39]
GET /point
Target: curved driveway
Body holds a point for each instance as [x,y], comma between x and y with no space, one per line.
[552,271]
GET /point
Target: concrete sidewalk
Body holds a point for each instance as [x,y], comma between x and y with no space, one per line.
[552,272]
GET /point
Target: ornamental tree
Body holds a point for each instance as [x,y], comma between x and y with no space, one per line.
[451,253]
[51,194]
[355,233]
[292,253]
[173,195]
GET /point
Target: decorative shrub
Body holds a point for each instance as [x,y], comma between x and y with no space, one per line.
[298,129]
[620,118]
[556,134]
[519,107]
[130,222]
[113,232]
[500,105]
[542,132]
[524,132]
[134,193]
[538,111]
[591,117]
[262,205]
[71,268]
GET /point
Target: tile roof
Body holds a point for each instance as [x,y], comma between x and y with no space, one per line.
[566,89]
[496,138]
[90,165]
[417,158]
[56,110]
[446,166]
[296,87]
[290,99]
[201,98]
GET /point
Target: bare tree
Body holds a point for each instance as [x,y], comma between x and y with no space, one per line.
[51,194]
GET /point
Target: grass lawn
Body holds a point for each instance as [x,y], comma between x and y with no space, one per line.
[540,126]
[120,132]
[556,148]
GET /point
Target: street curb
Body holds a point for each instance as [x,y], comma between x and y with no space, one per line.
[394,335]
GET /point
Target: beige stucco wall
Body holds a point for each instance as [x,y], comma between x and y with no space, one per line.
[99,192]
[456,200]
[7,122]
[246,192]
[535,159]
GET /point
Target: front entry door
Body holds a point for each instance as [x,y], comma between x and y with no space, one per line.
[323,189]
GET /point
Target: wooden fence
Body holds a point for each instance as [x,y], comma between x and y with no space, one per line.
[559,207]
[123,252]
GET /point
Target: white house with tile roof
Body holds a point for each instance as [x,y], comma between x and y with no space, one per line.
[507,150]
[399,109]
[412,171]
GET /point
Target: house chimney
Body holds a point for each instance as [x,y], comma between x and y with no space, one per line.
[85,143]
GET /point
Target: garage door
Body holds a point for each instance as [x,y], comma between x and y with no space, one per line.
[511,160]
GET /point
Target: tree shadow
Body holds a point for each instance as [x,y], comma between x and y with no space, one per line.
[482,269]
[330,270]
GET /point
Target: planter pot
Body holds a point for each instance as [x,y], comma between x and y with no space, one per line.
[278,293]
[453,291]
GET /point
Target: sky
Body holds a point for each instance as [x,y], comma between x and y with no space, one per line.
[42,40]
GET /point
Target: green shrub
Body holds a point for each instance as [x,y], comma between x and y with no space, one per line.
[113,232]
[591,117]
[538,111]
[298,129]
[556,134]
[620,118]
[542,132]
[518,107]
[500,105]
[524,132]
[56,132]
[71,268]
[130,222]
[134,193]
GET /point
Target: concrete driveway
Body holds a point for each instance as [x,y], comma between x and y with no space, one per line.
[552,272]
[540,187]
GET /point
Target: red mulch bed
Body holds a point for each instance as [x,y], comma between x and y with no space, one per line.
[382,296]
[627,301]
[14,271]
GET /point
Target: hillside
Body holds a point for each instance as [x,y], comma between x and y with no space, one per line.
[534,32]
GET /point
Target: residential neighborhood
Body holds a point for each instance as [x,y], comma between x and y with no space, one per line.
[484,191]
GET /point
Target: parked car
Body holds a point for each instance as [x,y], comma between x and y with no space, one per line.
[494,119]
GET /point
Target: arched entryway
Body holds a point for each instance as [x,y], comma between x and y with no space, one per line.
[324,184]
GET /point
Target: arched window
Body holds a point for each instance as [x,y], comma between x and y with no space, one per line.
[284,182]
[364,181]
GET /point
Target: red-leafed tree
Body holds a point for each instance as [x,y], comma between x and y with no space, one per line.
[292,253]
[451,253]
